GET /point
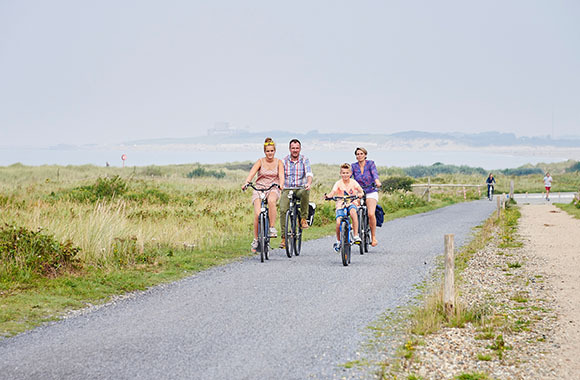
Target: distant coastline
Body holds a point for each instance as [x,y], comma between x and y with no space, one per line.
[490,150]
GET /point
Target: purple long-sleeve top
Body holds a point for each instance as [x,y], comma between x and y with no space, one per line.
[366,179]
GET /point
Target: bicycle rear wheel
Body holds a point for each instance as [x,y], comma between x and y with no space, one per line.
[262,236]
[361,230]
[297,235]
[344,243]
[289,234]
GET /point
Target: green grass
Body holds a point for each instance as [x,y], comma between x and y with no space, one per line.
[133,228]
[570,208]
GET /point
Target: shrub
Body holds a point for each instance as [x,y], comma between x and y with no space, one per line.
[397,183]
[573,168]
[152,171]
[521,171]
[201,172]
[25,253]
[439,168]
[103,188]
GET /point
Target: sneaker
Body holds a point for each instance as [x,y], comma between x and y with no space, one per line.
[336,246]
[357,239]
[273,232]
[283,243]
[255,245]
[304,224]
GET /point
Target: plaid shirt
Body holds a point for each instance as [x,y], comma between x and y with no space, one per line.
[295,173]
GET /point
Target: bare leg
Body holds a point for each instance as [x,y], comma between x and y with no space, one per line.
[372,207]
[354,219]
[272,212]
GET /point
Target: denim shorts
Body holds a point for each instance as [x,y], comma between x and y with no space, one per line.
[340,211]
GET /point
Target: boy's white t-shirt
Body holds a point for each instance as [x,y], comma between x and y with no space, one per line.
[548,181]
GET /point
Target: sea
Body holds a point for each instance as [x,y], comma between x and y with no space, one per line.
[140,157]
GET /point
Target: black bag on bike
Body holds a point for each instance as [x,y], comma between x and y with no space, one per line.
[311,211]
[380,215]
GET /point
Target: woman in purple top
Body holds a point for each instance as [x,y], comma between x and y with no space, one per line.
[365,173]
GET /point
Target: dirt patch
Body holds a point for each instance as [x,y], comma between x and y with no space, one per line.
[559,246]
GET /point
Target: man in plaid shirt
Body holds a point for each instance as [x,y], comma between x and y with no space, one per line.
[297,173]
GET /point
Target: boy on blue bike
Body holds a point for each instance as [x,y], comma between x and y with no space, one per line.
[346,186]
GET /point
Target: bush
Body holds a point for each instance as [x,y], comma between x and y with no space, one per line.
[397,183]
[521,171]
[152,171]
[104,188]
[201,172]
[26,253]
[439,168]
[573,168]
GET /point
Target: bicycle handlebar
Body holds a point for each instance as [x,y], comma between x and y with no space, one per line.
[250,184]
[344,197]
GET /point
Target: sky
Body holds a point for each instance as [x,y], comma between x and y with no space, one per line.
[102,72]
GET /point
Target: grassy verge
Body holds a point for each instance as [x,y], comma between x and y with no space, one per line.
[570,208]
[428,316]
[105,233]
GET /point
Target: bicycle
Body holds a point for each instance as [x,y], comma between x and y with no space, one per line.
[263,222]
[364,227]
[293,233]
[346,238]
[490,192]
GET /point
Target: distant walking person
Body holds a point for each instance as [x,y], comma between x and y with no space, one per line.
[365,173]
[297,173]
[270,170]
[490,181]
[548,184]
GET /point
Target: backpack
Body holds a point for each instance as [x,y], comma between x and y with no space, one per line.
[380,214]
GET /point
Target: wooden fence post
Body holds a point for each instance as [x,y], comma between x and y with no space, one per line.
[449,289]
[498,206]
[479,190]
[428,189]
[464,193]
[503,200]
[512,189]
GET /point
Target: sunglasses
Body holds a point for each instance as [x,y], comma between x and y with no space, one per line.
[269,143]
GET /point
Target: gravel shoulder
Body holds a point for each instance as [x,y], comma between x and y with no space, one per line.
[532,300]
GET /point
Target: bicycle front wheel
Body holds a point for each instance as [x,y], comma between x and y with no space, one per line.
[344,243]
[297,235]
[262,236]
[289,234]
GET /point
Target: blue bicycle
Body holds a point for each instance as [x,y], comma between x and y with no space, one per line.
[346,237]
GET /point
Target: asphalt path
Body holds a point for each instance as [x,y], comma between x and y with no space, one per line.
[296,318]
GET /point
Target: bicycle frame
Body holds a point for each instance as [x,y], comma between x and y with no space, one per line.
[293,232]
[263,221]
[345,229]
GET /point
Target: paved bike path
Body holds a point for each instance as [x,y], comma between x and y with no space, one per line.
[293,318]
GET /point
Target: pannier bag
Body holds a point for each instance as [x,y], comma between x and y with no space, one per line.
[311,211]
[380,214]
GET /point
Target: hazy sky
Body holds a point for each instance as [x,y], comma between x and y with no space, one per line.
[109,71]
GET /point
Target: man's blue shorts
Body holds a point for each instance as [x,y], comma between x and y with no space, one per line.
[340,211]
